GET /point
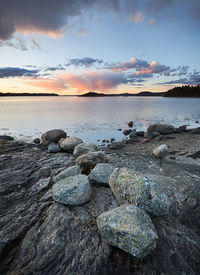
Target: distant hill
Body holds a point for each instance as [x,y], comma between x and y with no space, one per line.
[93,94]
[184,91]
[28,94]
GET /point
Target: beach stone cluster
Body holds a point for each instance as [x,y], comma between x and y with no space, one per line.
[128,227]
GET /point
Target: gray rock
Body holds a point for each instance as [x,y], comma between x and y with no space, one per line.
[126,132]
[52,136]
[149,135]
[130,229]
[68,144]
[74,190]
[9,138]
[160,151]
[132,187]
[53,148]
[195,131]
[101,173]
[36,140]
[70,171]
[84,148]
[130,124]
[115,146]
[161,128]
[89,160]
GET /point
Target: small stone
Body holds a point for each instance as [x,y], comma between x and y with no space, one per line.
[149,136]
[36,141]
[74,190]
[130,124]
[112,139]
[128,228]
[119,129]
[115,146]
[160,151]
[101,173]
[126,132]
[196,121]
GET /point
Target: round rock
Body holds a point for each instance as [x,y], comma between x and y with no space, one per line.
[89,160]
[160,151]
[101,173]
[129,228]
[84,148]
[74,190]
[132,187]
[53,136]
[68,144]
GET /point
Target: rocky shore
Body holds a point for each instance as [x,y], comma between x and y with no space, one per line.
[131,207]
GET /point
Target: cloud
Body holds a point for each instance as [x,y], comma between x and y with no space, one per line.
[138,17]
[191,79]
[152,21]
[142,67]
[19,43]
[48,84]
[48,17]
[85,61]
[82,31]
[16,72]
[35,44]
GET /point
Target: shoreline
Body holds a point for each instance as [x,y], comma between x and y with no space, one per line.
[33,222]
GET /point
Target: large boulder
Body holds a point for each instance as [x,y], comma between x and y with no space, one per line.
[52,136]
[89,160]
[68,172]
[132,187]
[161,128]
[68,144]
[74,190]
[101,173]
[129,228]
[84,148]
[160,151]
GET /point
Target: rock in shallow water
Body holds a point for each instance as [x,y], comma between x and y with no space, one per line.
[129,228]
[131,187]
[74,190]
[68,144]
[101,173]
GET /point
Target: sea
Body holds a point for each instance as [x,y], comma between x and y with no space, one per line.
[92,118]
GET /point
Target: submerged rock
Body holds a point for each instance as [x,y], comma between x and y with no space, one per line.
[84,148]
[89,160]
[68,144]
[131,187]
[52,136]
[70,171]
[74,190]
[160,151]
[161,128]
[130,123]
[101,173]
[126,132]
[129,228]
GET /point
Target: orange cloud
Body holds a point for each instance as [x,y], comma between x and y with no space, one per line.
[136,17]
[47,84]
[33,30]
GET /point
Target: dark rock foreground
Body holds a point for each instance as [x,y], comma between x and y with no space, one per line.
[40,236]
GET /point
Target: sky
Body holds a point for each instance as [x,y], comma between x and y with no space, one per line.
[109,46]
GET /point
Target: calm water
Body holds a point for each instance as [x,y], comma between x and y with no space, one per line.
[26,118]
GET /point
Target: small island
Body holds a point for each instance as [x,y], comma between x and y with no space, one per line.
[28,94]
[93,94]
